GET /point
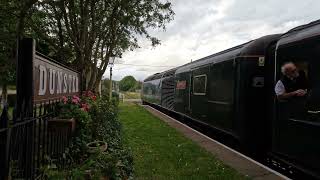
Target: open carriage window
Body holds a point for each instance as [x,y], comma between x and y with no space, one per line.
[306,59]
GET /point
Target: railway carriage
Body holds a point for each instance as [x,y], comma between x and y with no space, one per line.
[295,136]
[232,93]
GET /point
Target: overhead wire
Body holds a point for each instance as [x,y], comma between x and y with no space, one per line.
[141,65]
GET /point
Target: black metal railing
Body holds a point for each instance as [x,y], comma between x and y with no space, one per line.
[29,136]
[26,144]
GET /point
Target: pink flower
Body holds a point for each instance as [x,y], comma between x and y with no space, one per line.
[65,100]
[75,99]
[90,93]
[85,107]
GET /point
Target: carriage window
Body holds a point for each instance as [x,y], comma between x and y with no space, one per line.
[221,82]
[304,106]
[199,85]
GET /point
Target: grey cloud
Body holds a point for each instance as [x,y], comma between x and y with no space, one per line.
[203,27]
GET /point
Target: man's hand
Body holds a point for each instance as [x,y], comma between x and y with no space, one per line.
[300,92]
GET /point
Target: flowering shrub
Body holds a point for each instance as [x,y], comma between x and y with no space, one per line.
[70,103]
[96,119]
[77,108]
[89,95]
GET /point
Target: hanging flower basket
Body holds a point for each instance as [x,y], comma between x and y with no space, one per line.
[97,146]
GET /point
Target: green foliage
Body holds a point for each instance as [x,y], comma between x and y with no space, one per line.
[138,85]
[97,165]
[100,122]
[15,20]
[74,107]
[105,89]
[101,30]
[114,165]
[127,83]
[8,21]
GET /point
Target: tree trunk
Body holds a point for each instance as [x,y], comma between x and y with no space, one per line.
[97,82]
[93,74]
[4,95]
[83,80]
[97,86]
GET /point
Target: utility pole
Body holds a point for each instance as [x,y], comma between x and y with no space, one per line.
[111,63]
[110,91]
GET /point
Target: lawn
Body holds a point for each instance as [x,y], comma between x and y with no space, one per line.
[160,152]
[131,95]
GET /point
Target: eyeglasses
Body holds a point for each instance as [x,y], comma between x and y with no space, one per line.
[293,70]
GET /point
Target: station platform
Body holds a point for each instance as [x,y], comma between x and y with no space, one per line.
[241,163]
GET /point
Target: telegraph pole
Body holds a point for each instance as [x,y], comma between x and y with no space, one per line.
[110,91]
[111,63]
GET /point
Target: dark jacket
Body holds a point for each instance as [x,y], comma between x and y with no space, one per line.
[292,85]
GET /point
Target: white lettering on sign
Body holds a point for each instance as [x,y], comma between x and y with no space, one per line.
[59,86]
[65,85]
[42,80]
[70,83]
[73,84]
[59,82]
[77,84]
[52,80]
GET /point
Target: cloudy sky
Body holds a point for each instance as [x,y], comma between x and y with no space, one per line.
[204,27]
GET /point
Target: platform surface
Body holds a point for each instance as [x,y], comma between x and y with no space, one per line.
[230,157]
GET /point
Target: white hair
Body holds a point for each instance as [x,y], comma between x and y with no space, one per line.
[284,67]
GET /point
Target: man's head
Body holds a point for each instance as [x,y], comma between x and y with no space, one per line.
[290,70]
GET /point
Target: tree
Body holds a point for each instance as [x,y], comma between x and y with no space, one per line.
[97,30]
[127,83]
[138,85]
[13,19]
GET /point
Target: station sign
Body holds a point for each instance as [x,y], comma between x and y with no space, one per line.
[53,80]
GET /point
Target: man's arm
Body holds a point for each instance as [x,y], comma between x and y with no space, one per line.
[286,95]
[282,94]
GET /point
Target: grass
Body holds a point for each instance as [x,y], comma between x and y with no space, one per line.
[131,95]
[160,152]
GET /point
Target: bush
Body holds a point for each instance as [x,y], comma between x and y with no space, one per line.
[97,119]
[105,123]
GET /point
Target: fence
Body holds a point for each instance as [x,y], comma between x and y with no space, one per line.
[32,134]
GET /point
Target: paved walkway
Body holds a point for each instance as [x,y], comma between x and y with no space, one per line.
[241,163]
